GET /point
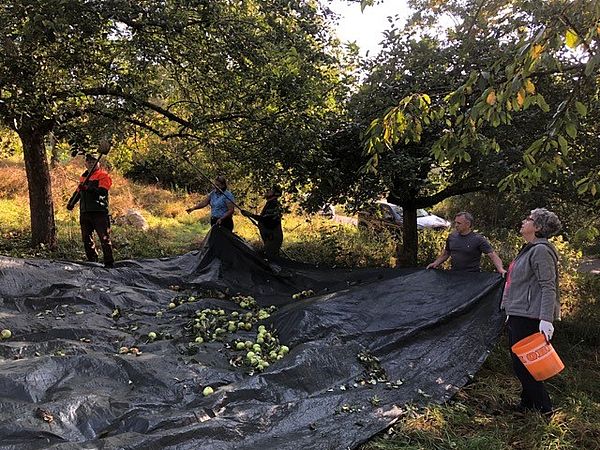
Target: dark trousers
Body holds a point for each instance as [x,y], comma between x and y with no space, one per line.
[226,223]
[272,240]
[534,394]
[99,222]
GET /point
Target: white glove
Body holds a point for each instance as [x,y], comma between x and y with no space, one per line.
[547,328]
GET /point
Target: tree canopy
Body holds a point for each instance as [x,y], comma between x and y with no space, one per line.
[553,39]
[252,80]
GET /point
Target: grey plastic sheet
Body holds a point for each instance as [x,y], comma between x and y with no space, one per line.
[364,345]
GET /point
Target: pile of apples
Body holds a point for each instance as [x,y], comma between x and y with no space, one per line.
[264,351]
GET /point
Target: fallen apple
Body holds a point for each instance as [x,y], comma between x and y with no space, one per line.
[207,391]
[6,334]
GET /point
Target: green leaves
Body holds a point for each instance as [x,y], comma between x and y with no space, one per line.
[365,3]
[588,185]
[571,130]
[581,109]
[571,38]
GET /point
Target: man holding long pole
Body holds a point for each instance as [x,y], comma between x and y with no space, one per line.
[92,192]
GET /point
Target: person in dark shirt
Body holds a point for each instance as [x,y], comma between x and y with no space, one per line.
[465,247]
[93,211]
[269,222]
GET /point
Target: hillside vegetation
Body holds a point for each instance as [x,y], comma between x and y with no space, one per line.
[479,417]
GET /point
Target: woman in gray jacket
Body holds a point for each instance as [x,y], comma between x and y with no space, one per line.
[531,299]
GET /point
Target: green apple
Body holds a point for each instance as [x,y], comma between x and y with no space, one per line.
[6,334]
[207,391]
[199,340]
[240,346]
[152,335]
[172,305]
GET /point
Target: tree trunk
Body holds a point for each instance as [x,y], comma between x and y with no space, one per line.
[410,237]
[41,206]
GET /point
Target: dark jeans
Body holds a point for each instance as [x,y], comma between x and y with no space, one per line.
[225,223]
[534,394]
[272,240]
[100,223]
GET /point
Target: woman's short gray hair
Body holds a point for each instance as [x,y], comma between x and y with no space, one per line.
[546,221]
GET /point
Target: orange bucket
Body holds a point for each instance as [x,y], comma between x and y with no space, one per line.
[538,356]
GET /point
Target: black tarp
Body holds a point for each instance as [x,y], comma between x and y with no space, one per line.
[429,330]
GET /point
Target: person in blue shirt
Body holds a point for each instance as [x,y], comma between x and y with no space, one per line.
[221,203]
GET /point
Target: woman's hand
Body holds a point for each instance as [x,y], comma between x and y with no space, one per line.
[547,328]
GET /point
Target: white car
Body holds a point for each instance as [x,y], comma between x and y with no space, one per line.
[387,215]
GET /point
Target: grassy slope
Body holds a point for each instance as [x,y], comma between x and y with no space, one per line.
[477,418]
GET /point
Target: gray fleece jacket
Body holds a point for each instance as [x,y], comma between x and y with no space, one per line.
[532,288]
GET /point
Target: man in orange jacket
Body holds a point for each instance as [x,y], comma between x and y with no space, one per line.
[93,211]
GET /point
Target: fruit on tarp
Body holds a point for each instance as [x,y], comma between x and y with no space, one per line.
[207,391]
[6,334]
